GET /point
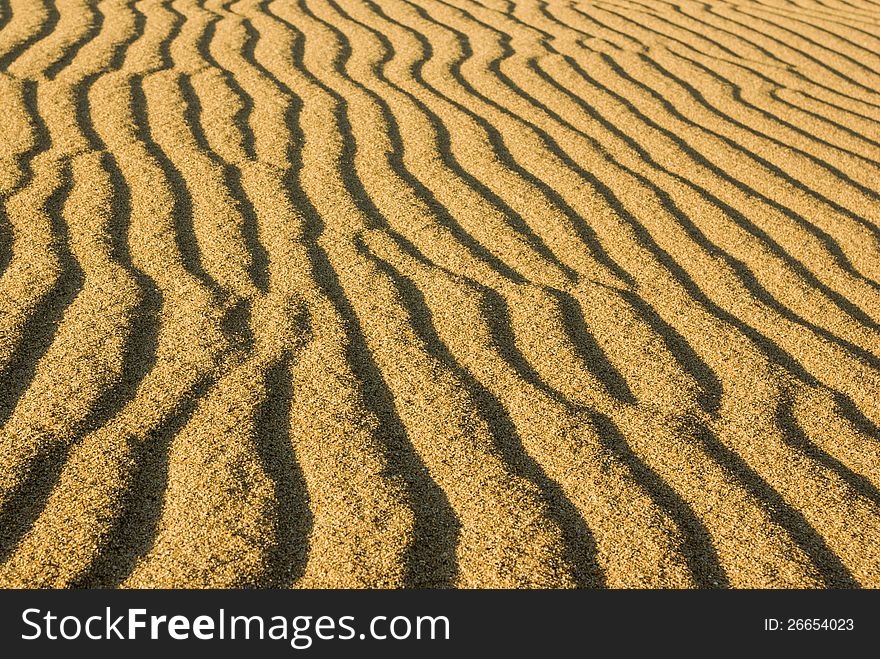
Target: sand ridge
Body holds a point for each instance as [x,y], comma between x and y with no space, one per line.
[435,293]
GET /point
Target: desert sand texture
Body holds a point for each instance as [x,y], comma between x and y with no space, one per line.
[440,293]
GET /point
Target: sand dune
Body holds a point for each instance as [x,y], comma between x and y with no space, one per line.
[431,293]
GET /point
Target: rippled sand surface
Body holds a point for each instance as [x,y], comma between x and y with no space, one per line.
[406,293]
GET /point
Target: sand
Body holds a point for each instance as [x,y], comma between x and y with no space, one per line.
[440,293]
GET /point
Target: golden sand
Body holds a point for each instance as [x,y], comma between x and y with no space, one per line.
[478,293]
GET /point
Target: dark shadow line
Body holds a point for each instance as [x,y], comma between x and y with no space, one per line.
[117,58]
[491,411]
[140,343]
[32,496]
[664,36]
[164,47]
[247,54]
[820,8]
[182,207]
[674,268]
[676,10]
[236,324]
[580,546]
[852,8]
[94,28]
[430,558]
[182,204]
[790,68]
[42,142]
[441,214]
[140,340]
[588,349]
[821,235]
[839,108]
[510,13]
[499,322]
[134,529]
[5,13]
[289,550]
[258,269]
[710,387]
[496,313]
[514,219]
[38,332]
[45,29]
[365,204]
[6,239]
[648,10]
[680,11]
[712,12]
[795,437]
[241,119]
[579,15]
[831,569]
[824,25]
[29,498]
[818,233]
[855,135]
[259,258]
[697,548]
[854,415]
